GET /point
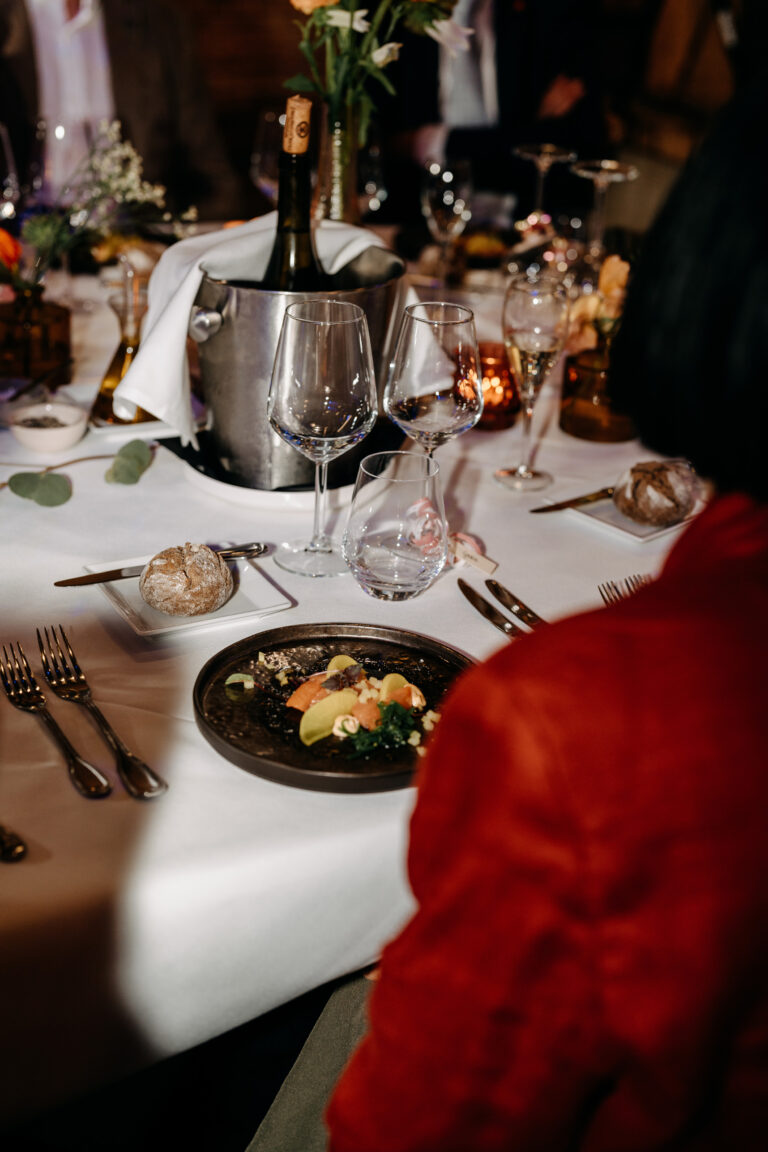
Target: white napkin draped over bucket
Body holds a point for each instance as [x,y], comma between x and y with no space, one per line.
[158,379]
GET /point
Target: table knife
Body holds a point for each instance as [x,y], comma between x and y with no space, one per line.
[241,551]
[575,501]
[514,605]
[485,608]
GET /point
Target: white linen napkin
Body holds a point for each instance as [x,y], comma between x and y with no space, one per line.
[158,379]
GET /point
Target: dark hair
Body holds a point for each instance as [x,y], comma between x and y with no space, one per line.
[690,363]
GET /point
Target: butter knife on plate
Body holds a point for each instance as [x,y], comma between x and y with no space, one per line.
[575,501]
[241,551]
[514,604]
[485,608]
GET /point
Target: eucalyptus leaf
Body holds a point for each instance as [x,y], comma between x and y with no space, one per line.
[139,451]
[24,484]
[52,490]
[130,462]
[123,470]
[42,487]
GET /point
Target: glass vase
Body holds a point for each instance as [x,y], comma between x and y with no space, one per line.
[336,196]
[35,339]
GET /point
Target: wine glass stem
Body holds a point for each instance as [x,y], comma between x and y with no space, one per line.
[541,172]
[597,231]
[320,542]
[529,394]
[446,247]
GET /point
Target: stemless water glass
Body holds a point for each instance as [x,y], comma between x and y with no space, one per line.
[435,388]
[395,539]
[535,322]
[322,401]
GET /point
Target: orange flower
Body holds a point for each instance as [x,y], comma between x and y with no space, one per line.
[308,6]
[612,284]
[10,249]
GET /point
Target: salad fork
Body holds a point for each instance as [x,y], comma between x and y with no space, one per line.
[23,691]
[613,591]
[65,677]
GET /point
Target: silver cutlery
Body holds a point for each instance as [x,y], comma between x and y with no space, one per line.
[238,552]
[485,608]
[23,691]
[514,604]
[614,591]
[575,501]
[65,677]
[12,847]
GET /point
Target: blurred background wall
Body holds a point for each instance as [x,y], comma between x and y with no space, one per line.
[666,72]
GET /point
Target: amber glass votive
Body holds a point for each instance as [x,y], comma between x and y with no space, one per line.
[586,410]
[501,399]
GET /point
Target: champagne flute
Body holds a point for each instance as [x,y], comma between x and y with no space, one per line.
[535,322]
[322,401]
[445,203]
[435,389]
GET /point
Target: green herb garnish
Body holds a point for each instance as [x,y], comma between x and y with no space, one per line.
[397,723]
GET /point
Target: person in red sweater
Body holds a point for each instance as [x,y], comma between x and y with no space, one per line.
[587,968]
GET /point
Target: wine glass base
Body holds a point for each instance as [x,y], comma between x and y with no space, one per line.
[522,479]
[301,558]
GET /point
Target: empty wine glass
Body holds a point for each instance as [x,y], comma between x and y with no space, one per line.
[535,321]
[602,173]
[322,401]
[9,178]
[267,146]
[395,541]
[435,390]
[543,156]
[446,204]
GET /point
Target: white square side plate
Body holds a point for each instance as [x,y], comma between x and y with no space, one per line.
[606,513]
[254,596]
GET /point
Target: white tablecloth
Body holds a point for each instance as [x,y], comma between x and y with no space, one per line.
[133,931]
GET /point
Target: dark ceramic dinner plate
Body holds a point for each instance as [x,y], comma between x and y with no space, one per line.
[263,739]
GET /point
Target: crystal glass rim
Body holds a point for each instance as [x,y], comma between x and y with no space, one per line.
[610,170]
[547,282]
[461,313]
[354,312]
[433,468]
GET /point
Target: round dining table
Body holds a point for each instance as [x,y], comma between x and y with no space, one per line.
[133,930]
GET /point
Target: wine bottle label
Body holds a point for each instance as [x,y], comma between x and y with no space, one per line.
[296,131]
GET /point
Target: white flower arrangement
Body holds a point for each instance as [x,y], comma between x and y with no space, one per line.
[348,48]
[105,185]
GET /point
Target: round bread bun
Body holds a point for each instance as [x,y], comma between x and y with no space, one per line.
[657,492]
[188,581]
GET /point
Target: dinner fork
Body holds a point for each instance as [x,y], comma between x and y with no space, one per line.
[23,691]
[613,591]
[67,680]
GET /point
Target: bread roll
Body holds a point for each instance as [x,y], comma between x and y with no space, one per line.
[657,492]
[188,581]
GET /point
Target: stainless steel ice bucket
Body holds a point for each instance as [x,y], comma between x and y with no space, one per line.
[237,325]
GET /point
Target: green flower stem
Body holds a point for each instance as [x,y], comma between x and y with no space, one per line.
[52,467]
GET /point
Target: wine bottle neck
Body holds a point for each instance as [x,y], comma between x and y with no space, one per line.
[294,206]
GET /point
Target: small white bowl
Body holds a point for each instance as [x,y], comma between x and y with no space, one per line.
[49,427]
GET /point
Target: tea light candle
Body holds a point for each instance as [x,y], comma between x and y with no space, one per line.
[501,401]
